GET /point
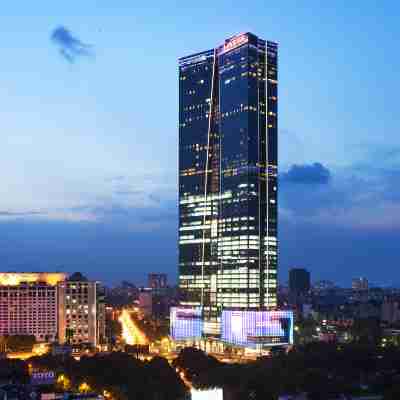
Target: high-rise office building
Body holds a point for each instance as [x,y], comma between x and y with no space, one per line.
[228,168]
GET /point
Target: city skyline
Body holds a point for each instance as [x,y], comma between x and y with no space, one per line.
[91,181]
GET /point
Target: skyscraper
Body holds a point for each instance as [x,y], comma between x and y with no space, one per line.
[228,160]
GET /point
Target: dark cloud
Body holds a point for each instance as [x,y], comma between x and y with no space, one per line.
[101,251]
[360,197]
[70,47]
[345,226]
[122,217]
[312,174]
[110,251]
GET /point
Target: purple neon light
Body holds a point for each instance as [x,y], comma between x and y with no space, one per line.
[252,328]
[186,323]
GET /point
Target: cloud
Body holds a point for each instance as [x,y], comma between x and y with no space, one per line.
[12,214]
[117,178]
[128,192]
[314,174]
[70,47]
[357,197]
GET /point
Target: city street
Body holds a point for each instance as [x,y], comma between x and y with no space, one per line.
[130,331]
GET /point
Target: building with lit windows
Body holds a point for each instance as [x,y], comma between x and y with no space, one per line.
[228,168]
[52,307]
[29,304]
[359,284]
[80,312]
[157,281]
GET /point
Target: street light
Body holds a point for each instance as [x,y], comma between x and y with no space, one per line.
[84,387]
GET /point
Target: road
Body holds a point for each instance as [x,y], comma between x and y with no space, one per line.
[131,333]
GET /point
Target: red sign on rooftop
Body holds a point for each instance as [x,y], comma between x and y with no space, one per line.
[235,41]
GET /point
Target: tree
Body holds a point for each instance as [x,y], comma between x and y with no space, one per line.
[69,334]
[194,361]
[392,393]
[20,342]
[366,330]
[304,330]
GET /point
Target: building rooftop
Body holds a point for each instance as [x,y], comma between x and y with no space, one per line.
[16,278]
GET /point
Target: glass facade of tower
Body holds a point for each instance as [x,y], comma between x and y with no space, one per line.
[228,176]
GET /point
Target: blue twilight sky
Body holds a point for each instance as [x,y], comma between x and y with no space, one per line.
[89,132]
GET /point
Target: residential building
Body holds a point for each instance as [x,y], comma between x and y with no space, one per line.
[78,308]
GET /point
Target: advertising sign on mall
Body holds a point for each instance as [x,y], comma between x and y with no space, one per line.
[257,328]
[186,323]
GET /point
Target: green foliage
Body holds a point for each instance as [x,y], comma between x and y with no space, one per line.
[392,392]
[120,374]
[14,370]
[194,362]
[323,370]
[305,329]
[366,330]
[69,334]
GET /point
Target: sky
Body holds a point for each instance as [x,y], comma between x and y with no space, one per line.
[89,134]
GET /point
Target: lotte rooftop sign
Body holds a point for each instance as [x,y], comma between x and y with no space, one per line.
[234,42]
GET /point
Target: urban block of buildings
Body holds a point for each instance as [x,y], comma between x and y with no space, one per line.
[52,307]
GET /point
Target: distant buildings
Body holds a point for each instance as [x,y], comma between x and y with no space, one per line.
[157,281]
[51,307]
[156,301]
[323,285]
[299,281]
[146,302]
[123,295]
[390,313]
[359,284]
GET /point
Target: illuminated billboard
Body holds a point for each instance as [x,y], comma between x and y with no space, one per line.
[43,378]
[186,323]
[257,328]
[211,394]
